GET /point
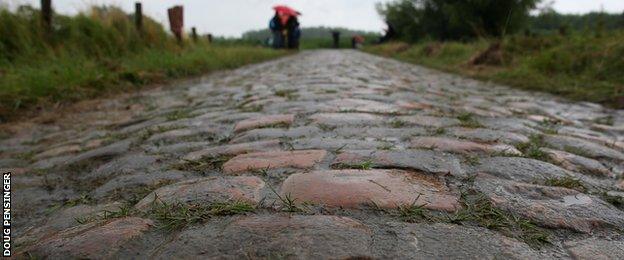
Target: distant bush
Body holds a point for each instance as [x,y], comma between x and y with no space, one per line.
[416,20]
[550,21]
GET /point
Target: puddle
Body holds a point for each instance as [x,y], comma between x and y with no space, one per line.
[578,199]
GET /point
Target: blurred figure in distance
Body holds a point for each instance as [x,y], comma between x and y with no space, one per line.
[285,27]
[277,28]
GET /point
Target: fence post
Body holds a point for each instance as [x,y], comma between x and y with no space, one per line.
[194,33]
[46,14]
[209,37]
[138,16]
[176,21]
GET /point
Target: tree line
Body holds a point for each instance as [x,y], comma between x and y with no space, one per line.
[414,20]
[551,21]
[319,32]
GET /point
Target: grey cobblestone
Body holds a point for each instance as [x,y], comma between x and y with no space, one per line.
[369,157]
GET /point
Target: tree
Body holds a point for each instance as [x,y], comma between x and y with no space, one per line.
[456,19]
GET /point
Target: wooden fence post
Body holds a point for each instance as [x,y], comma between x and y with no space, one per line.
[209,37]
[138,16]
[176,21]
[194,33]
[46,14]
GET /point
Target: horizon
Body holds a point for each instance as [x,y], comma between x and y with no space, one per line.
[316,13]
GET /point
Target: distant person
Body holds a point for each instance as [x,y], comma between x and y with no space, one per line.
[277,29]
[285,27]
[336,37]
[293,32]
[357,41]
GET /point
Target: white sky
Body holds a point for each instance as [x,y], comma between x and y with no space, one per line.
[233,17]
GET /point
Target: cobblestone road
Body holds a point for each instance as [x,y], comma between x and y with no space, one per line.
[325,154]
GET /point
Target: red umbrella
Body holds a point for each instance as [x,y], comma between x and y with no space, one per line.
[286,10]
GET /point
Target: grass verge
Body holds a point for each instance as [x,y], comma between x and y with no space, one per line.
[98,52]
[581,67]
[66,79]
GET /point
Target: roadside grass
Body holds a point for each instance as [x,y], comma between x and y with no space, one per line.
[96,53]
[64,79]
[579,66]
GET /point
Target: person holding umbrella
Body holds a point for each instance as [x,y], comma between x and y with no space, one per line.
[293,32]
[277,29]
[285,26]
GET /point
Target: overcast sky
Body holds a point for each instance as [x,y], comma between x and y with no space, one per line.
[233,17]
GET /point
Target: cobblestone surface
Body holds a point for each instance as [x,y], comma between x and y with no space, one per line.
[325,155]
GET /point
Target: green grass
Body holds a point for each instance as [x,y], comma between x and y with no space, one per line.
[439,131]
[208,163]
[412,213]
[549,126]
[251,109]
[179,114]
[478,209]
[614,200]
[98,52]
[68,79]
[578,66]
[577,151]
[608,120]
[177,216]
[397,123]
[364,165]
[142,134]
[289,94]
[326,128]
[472,160]
[276,125]
[566,182]
[386,147]
[532,149]
[288,203]
[467,120]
